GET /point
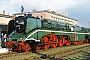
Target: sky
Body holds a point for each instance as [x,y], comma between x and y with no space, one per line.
[76,9]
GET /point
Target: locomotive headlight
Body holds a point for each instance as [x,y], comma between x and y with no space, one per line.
[9,38]
[17,21]
[21,38]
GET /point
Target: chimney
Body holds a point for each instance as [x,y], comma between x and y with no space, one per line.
[3,12]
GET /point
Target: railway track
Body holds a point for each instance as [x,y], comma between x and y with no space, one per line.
[15,54]
[51,53]
[66,51]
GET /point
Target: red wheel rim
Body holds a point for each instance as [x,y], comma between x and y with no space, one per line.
[54,45]
[20,49]
[61,44]
[67,44]
[27,47]
[46,47]
[38,47]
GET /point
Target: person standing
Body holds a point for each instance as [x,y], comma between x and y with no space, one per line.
[2,41]
[5,37]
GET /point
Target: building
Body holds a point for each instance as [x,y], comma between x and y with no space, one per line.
[47,14]
[21,14]
[4,19]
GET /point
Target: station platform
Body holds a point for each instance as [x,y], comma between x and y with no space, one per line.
[3,50]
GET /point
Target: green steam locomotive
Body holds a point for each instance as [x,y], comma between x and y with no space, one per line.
[28,33]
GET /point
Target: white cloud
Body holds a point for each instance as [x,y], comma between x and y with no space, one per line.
[13,5]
